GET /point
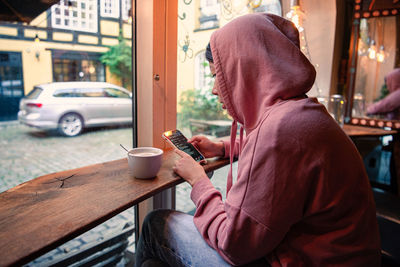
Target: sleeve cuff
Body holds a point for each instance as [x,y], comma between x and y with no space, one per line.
[199,189]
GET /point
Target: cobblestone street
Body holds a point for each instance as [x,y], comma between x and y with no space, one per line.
[26,153]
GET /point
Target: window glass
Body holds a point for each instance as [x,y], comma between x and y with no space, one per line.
[198,111]
[65,45]
[65,93]
[113,92]
[77,66]
[90,92]
[34,93]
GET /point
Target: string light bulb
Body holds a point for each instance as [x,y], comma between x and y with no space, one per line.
[295,15]
[372,50]
[363,46]
[380,56]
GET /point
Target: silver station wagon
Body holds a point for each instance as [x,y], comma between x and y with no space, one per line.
[69,107]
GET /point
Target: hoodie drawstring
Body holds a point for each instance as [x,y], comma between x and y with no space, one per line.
[231,151]
[241,140]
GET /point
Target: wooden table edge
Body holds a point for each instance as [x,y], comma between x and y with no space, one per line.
[9,260]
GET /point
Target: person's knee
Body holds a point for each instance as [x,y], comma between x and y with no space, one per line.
[156,216]
[155,220]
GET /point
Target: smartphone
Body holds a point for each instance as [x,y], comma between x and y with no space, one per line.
[178,140]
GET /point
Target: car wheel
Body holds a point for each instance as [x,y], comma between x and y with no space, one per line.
[70,124]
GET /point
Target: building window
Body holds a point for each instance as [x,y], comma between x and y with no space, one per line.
[270,6]
[202,73]
[75,66]
[209,14]
[78,15]
[126,9]
[109,8]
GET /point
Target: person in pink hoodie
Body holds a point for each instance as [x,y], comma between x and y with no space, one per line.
[301,197]
[390,105]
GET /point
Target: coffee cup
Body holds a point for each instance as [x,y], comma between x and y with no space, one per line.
[144,162]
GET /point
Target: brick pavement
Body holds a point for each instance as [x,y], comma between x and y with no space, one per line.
[26,153]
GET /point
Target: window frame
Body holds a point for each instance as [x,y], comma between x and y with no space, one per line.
[156,29]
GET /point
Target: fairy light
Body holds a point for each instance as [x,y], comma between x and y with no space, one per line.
[372,50]
[380,56]
[295,15]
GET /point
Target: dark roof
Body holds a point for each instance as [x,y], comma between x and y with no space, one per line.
[23,10]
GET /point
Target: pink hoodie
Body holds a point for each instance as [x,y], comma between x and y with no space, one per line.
[390,105]
[302,197]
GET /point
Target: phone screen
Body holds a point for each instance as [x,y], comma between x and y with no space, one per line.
[180,142]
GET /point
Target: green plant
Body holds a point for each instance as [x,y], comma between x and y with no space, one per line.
[199,104]
[119,60]
[384,92]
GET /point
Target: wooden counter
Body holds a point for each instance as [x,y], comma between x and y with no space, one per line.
[42,214]
[362,131]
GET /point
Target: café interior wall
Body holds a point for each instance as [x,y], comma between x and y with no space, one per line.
[319,25]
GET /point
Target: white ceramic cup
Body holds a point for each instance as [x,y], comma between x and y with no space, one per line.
[144,162]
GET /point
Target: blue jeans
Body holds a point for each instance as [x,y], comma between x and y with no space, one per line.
[170,238]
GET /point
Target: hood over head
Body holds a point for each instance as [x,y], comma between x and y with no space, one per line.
[393,80]
[258,63]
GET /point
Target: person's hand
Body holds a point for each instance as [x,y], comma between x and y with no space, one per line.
[370,110]
[187,168]
[208,148]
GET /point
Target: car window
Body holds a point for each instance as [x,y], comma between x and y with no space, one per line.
[34,94]
[90,92]
[65,93]
[114,92]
